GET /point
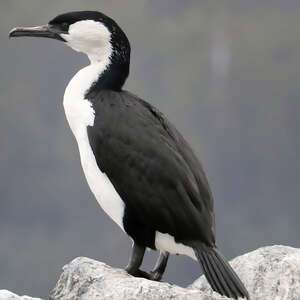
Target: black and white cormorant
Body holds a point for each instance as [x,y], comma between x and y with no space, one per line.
[139,167]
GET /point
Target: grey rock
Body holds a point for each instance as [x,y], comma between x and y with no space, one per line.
[269,273]
[7,295]
[87,279]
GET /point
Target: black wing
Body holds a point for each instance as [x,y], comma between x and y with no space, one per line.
[152,168]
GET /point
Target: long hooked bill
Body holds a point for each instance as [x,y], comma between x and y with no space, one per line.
[46,31]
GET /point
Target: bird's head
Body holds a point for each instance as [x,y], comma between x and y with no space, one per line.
[90,32]
[94,34]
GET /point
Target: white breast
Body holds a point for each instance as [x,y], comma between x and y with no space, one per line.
[80,114]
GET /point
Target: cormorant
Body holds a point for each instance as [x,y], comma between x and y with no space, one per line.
[139,167]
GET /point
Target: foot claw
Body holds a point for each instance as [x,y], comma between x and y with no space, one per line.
[153,275]
[156,276]
[138,273]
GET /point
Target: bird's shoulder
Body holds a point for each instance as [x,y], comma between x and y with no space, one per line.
[124,102]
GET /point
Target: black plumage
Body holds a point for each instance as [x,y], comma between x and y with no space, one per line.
[152,168]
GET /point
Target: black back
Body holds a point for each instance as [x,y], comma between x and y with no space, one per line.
[152,168]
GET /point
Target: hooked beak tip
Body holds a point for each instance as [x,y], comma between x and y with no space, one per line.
[12,33]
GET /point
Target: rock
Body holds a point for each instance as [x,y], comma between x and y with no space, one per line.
[87,279]
[7,295]
[269,273]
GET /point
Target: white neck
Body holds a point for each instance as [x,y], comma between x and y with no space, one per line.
[78,109]
[98,56]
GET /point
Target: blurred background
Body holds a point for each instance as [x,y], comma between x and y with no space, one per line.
[226,73]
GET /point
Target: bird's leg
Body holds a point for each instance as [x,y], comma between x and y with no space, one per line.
[135,261]
[160,266]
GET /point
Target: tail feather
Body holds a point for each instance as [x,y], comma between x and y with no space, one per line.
[207,272]
[227,289]
[231,274]
[219,273]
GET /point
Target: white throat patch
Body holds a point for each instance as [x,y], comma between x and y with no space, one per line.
[91,38]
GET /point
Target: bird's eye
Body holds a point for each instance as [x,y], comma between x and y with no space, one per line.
[64,26]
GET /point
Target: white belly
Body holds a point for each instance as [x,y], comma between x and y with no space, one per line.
[80,114]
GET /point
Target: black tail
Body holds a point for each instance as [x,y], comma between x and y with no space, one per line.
[219,273]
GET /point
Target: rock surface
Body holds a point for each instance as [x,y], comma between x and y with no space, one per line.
[7,295]
[269,273]
[85,279]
